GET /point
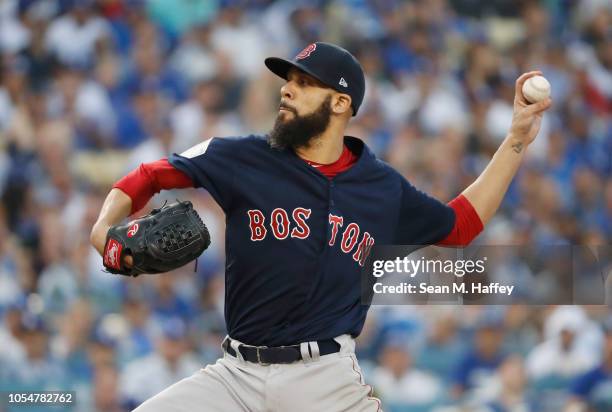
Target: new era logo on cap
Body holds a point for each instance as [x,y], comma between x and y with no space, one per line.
[342,82]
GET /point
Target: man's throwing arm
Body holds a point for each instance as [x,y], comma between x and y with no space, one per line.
[489,189]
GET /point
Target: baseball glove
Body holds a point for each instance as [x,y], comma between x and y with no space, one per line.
[163,240]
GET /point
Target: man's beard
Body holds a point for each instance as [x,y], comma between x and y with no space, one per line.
[300,131]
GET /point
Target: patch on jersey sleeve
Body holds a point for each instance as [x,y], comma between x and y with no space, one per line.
[197,150]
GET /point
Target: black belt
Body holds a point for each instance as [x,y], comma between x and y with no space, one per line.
[282,354]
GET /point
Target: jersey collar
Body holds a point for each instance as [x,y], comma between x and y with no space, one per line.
[365,159]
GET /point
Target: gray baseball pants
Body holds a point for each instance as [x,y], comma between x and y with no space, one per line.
[330,383]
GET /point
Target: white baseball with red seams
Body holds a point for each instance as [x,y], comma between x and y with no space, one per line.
[536,89]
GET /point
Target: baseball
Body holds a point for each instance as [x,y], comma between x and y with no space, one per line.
[536,89]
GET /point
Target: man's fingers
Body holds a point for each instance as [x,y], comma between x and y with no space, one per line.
[518,89]
[539,107]
[128,261]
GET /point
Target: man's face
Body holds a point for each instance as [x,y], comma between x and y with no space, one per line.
[608,347]
[489,340]
[172,349]
[304,111]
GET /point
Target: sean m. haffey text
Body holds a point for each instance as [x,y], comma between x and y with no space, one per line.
[412,267]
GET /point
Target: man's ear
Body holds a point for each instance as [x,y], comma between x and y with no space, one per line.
[341,103]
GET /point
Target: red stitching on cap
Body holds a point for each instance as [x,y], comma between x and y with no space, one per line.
[306,52]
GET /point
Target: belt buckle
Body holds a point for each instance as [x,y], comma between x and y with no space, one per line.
[257,348]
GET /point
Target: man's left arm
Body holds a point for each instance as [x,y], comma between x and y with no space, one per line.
[487,192]
[477,204]
[425,221]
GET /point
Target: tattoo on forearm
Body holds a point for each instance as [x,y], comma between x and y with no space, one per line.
[517,147]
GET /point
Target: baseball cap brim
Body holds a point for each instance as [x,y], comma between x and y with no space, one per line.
[281,67]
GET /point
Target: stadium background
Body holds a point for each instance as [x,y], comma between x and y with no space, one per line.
[91,88]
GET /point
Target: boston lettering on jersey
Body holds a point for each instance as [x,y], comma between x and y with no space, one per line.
[281,227]
[295,239]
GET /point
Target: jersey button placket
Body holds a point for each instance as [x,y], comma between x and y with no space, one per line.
[330,206]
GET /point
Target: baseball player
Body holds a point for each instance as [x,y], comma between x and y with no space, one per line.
[304,205]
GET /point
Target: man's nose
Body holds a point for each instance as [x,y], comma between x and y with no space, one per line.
[287,91]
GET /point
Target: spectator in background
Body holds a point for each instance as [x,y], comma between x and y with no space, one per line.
[481,361]
[100,365]
[13,103]
[195,58]
[75,36]
[42,61]
[149,67]
[70,345]
[172,361]
[567,350]
[12,348]
[592,391]
[101,350]
[240,39]
[507,390]
[58,282]
[139,115]
[399,384]
[210,323]
[140,329]
[168,302]
[156,146]
[442,351]
[206,113]
[521,330]
[189,119]
[14,31]
[11,279]
[85,104]
[606,209]
[39,369]
[106,390]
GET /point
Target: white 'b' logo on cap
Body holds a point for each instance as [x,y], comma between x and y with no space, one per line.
[342,82]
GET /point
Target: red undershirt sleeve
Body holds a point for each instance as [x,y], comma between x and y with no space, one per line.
[150,178]
[467,223]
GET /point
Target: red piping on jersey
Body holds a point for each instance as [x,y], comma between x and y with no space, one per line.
[467,223]
[346,160]
[150,178]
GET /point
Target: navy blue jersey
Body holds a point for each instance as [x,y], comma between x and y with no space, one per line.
[295,239]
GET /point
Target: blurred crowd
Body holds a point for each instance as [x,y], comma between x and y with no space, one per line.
[89,89]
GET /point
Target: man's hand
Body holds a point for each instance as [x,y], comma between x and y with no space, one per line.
[116,207]
[98,241]
[527,117]
[487,192]
[97,237]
